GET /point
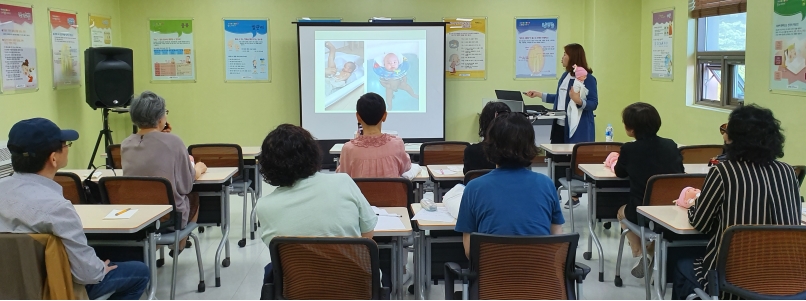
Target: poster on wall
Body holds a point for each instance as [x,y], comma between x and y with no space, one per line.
[662,44]
[18,49]
[535,48]
[466,48]
[100,31]
[64,49]
[246,50]
[172,53]
[788,46]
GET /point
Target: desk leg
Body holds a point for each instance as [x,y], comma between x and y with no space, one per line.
[663,267]
[427,265]
[229,223]
[656,267]
[224,244]
[401,265]
[393,270]
[418,265]
[646,264]
[592,226]
[550,164]
[420,191]
[151,244]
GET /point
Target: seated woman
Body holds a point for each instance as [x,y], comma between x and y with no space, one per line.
[307,202]
[474,154]
[750,188]
[373,154]
[647,156]
[512,199]
[154,153]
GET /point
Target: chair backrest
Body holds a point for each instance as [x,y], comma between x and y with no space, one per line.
[662,190]
[39,275]
[442,152]
[141,191]
[319,268]
[218,155]
[386,192]
[763,262]
[523,267]
[700,154]
[113,155]
[591,153]
[72,189]
[800,172]
[470,175]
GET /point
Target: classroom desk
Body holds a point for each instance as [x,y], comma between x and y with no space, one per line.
[419,183]
[411,148]
[92,219]
[397,248]
[437,174]
[669,219]
[557,155]
[215,182]
[422,250]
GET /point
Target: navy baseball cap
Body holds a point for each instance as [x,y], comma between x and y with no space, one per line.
[31,136]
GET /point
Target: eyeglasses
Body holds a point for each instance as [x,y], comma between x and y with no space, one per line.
[723,128]
[67,144]
[167,111]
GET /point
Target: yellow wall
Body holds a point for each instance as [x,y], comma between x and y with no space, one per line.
[65,107]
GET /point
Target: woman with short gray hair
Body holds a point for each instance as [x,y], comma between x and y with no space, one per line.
[153,152]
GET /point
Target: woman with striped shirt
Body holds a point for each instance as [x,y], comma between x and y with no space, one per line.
[750,188]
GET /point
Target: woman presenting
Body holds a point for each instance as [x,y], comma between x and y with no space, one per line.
[579,118]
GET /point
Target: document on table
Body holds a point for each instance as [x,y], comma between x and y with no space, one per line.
[389,223]
[441,215]
[124,215]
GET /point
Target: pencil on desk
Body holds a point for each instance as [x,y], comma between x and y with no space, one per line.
[123,211]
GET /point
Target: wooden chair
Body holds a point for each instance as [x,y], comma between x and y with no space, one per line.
[321,268]
[72,188]
[519,267]
[759,262]
[154,191]
[113,156]
[700,154]
[442,152]
[584,153]
[230,155]
[661,190]
[386,192]
[473,174]
[24,257]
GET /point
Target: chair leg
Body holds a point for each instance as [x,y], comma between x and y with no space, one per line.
[618,280]
[202,287]
[161,261]
[242,242]
[176,264]
[253,217]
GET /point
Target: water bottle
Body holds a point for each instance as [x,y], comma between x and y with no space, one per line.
[609,133]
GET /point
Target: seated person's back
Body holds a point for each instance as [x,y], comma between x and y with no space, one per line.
[373,154]
[475,158]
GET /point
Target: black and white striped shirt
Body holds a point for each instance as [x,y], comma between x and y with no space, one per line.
[743,193]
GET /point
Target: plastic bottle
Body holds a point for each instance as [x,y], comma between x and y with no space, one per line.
[609,133]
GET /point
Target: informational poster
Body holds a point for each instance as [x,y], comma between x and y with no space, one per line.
[662,44]
[18,48]
[100,31]
[64,48]
[172,53]
[788,46]
[246,50]
[535,48]
[466,49]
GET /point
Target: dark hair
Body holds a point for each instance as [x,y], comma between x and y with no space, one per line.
[642,118]
[576,56]
[371,107]
[289,153]
[510,141]
[755,135]
[488,113]
[32,164]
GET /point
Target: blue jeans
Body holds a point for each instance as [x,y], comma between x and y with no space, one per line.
[127,281]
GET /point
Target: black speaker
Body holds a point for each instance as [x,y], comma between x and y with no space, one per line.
[109,77]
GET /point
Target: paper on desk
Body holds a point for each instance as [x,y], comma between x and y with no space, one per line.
[444,171]
[379,211]
[125,215]
[455,168]
[389,223]
[441,215]
[413,172]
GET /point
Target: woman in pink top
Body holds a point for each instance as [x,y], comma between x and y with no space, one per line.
[373,154]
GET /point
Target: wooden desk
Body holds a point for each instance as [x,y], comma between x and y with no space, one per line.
[600,173]
[422,250]
[251,151]
[92,219]
[674,218]
[558,149]
[558,158]
[397,248]
[411,148]
[214,175]
[437,172]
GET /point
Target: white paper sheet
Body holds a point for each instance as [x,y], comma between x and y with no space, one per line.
[125,215]
[389,223]
[441,215]
[379,211]
[444,171]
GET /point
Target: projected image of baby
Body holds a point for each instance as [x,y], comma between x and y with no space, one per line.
[343,74]
[337,78]
[393,75]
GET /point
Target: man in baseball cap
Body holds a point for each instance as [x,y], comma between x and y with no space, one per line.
[33,202]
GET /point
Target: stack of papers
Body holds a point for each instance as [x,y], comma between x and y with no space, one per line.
[441,215]
[387,221]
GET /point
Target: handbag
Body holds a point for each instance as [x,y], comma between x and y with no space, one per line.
[92,191]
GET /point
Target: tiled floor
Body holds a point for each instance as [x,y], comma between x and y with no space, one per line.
[242,279]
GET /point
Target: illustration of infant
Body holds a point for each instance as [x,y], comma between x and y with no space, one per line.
[579,84]
[454,62]
[28,71]
[794,62]
[337,78]
[393,76]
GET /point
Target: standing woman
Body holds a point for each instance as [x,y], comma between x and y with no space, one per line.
[574,55]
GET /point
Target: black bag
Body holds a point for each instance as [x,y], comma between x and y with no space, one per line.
[92,191]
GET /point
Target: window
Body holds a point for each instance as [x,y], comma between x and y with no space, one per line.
[721,41]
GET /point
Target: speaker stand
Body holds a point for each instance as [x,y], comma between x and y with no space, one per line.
[106,134]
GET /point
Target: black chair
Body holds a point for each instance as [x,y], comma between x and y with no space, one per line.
[519,267]
[473,174]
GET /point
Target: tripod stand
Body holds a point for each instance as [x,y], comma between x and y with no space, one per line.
[106,134]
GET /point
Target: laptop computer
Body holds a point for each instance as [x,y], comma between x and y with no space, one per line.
[509,95]
[514,105]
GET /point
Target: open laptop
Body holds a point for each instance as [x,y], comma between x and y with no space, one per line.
[509,95]
[5,160]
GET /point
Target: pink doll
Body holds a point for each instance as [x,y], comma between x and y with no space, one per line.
[611,161]
[687,197]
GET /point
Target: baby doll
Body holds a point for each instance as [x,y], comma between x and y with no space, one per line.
[611,161]
[688,197]
[579,84]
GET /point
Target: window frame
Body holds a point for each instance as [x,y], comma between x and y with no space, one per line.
[727,61]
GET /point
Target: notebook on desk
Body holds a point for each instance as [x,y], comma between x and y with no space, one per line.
[5,160]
